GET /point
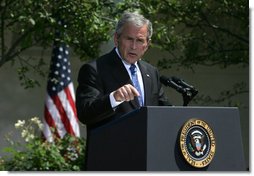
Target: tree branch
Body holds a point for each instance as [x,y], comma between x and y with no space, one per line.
[9,56]
[215,27]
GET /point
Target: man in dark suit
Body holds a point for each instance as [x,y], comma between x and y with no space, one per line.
[120,82]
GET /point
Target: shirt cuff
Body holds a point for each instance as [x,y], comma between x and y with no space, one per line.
[113,102]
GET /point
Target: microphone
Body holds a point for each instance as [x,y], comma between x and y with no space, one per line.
[187,91]
[181,82]
[191,90]
[169,82]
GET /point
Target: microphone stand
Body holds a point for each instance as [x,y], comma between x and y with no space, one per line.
[188,95]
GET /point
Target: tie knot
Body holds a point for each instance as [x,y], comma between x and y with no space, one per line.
[133,69]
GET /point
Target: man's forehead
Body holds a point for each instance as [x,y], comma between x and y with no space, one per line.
[132,30]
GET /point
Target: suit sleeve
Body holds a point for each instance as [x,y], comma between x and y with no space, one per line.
[92,105]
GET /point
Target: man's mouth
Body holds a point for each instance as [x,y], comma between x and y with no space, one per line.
[132,54]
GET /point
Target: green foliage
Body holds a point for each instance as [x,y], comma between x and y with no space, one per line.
[26,24]
[87,24]
[36,154]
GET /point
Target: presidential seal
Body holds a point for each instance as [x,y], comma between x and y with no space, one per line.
[197,143]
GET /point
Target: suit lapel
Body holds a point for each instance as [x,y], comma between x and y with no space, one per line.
[146,80]
[119,73]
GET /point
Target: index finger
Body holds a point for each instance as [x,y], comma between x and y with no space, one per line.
[134,91]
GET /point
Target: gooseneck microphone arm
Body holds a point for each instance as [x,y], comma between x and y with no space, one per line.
[188,92]
[170,83]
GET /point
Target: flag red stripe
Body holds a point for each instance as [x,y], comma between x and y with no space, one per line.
[50,121]
[63,115]
[71,101]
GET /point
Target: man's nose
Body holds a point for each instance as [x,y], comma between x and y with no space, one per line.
[133,44]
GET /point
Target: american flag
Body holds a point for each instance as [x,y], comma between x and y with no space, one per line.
[60,110]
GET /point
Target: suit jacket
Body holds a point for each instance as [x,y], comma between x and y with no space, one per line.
[98,78]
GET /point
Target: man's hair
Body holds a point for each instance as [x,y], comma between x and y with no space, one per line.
[135,19]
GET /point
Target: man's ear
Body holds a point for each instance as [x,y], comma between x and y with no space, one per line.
[116,39]
[148,43]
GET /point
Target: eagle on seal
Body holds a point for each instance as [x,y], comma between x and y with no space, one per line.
[198,142]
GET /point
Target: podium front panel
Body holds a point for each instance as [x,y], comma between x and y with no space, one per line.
[163,129]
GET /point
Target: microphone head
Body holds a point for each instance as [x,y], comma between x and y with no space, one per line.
[175,79]
[164,79]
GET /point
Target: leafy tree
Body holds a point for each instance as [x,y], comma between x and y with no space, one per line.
[86,24]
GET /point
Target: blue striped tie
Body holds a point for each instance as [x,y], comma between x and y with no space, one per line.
[135,82]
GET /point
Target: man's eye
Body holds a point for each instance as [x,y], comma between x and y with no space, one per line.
[141,41]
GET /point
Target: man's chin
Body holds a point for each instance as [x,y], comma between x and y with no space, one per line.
[132,58]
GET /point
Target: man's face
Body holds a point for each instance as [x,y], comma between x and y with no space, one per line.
[132,43]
